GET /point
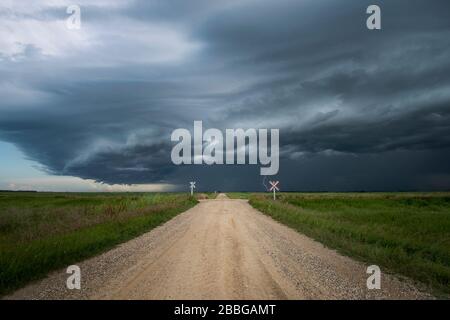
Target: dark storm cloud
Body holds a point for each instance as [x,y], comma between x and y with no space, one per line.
[344,98]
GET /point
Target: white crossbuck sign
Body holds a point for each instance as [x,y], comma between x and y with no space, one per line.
[274,188]
[192,187]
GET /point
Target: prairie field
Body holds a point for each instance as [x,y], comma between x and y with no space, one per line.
[403,233]
[40,232]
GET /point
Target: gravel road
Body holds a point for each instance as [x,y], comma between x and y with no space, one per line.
[221,249]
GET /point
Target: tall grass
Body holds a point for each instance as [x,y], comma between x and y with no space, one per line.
[407,234]
[42,232]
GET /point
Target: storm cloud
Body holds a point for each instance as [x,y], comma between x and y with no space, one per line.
[357,109]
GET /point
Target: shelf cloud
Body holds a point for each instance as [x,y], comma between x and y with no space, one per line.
[357,109]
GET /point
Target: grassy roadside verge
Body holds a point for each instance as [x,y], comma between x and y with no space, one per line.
[408,234]
[44,232]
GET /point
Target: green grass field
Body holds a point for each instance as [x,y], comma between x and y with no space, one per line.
[403,233]
[40,232]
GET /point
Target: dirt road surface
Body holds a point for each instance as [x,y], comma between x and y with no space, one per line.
[221,249]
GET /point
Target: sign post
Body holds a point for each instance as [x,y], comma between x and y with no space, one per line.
[274,188]
[192,187]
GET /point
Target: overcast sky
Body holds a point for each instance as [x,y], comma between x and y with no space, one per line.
[93,109]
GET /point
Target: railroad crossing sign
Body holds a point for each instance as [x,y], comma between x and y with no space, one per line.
[274,188]
[192,187]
